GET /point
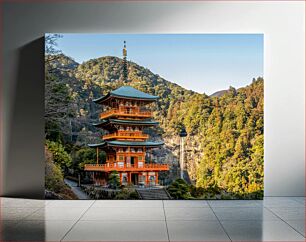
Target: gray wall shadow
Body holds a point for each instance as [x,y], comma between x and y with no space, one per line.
[26,126]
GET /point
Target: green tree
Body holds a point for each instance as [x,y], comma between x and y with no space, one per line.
[60,155]
[88,155]
[54,179]
[114,180]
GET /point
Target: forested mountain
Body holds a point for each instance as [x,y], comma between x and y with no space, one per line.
[225,132]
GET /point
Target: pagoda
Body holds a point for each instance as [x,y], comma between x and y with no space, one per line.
[124,117]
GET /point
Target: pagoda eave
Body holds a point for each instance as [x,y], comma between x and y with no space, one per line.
[103,99]
[127,92]
[116,143]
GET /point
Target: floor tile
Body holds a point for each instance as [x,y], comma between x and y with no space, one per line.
[22,203]
[289,213]
[185,204]
[298,225]
[235,203]
[300,200]
[196,231]
[133,213]
[261,231]
[11,213]
[8,223]
[39,230]
[138,220]
[57,213]
[189,214]
[70,203]
[7,228]
[281,202]
[118,231]
[244,213]
[128,203]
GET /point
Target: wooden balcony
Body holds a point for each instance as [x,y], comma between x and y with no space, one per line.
[126,113]
[126,135]
[125,167]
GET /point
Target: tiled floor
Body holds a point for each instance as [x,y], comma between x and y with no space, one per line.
[274,219]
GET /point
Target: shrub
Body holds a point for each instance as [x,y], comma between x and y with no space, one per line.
[114,180]
[126,193]
[60,156]
[54,180]
[179,189]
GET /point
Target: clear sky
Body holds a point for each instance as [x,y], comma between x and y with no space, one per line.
[199,62]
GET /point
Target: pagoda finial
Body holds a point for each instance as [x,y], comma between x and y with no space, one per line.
[125,69]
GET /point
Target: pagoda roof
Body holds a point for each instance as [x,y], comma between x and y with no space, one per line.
[127,92]
[127,143]
[126,121]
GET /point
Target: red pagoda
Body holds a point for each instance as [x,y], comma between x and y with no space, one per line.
[128,151]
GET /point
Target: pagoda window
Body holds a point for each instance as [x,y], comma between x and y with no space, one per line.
[139,150]
[136,129]
[121,157]
[121,128]
[120,150]
[133,150]
[142,179]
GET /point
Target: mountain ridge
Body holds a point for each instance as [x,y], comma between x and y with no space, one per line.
[71,60]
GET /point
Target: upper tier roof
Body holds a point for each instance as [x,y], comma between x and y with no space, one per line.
[127,92]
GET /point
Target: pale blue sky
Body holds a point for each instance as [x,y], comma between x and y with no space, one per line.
[200,62]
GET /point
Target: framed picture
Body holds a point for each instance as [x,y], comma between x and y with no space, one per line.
[154,116]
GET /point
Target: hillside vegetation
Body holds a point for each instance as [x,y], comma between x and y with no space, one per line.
[225,132]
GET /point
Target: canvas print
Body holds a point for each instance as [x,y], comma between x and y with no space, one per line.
[154,116]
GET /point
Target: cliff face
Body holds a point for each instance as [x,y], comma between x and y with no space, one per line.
[224,146]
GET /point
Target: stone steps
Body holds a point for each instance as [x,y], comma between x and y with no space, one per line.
[153,194]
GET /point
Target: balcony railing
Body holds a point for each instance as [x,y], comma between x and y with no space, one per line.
[131,153]
[126,113]
[126,135]
[126,167]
